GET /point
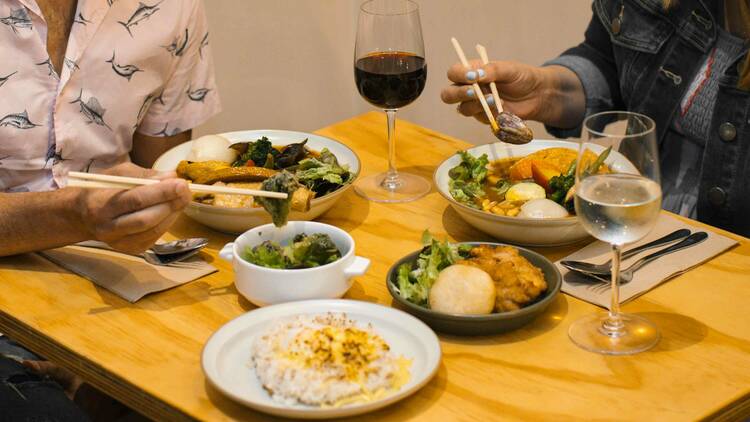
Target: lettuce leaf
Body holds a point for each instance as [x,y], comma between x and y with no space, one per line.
[466,183]
[416,279]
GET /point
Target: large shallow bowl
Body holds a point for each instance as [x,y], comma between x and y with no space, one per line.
[239,220]
[518,230]
[477,325]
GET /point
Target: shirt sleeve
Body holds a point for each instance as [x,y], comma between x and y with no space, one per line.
[594,64]
[190,95]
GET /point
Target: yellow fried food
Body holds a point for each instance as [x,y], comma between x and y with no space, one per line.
[300,198]
[210,172]
[517,281]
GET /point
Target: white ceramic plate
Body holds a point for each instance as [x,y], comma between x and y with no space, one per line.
[239,220]
[226,356]
[518,230]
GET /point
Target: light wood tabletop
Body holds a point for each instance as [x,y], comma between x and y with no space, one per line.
[148,354]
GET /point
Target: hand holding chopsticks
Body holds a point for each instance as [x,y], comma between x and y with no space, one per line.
[506,127]
[103,181]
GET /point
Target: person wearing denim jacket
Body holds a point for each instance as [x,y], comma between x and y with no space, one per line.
[683,63]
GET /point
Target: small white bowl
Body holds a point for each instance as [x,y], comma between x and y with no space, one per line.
[237,220]
[519,230]
[267,286]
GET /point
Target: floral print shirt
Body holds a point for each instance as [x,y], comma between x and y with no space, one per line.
[129,66]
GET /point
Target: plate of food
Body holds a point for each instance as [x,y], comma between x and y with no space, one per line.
[473,288]
[321,359]
[324,168]
[522,194]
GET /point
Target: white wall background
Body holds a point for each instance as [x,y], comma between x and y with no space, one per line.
[288,64]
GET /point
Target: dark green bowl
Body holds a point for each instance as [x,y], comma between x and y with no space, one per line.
[478,325]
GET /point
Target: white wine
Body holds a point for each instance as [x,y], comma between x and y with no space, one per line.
[618,208]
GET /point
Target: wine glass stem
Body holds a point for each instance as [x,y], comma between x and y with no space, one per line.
[613,324]
[391,181]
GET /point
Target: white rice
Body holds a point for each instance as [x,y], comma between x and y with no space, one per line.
[298,363]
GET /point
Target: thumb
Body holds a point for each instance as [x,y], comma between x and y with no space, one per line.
[498,71]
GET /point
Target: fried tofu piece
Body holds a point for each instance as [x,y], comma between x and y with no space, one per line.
[210,172]
[517,281]
[300,198]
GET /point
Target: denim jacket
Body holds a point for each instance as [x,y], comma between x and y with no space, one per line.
[636,56]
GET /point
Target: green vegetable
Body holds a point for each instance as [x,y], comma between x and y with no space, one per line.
[304,252]
[323,174]
[415,279]
[560,185]
[467,179]
[278,208]
[257,151]
[501,187]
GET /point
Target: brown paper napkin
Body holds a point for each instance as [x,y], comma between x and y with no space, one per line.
[127,276]
[647,277]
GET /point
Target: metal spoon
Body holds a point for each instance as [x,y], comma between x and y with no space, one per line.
[626,276]
[179,246]
[605,268]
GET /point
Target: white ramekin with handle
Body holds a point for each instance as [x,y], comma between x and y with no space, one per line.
[267,286]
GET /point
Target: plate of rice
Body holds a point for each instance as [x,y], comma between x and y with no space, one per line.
[321,359]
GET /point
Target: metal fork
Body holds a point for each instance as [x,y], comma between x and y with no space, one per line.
[626,276]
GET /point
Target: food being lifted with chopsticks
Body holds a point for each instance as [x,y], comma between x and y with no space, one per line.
[295,169]
[506,126]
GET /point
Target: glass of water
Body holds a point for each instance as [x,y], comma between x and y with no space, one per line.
[617,202]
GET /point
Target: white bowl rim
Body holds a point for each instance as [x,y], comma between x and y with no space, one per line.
[571,219]
[243,261]
[230,210]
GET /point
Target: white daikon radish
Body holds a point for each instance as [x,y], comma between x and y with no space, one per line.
[210,148]
[542,208]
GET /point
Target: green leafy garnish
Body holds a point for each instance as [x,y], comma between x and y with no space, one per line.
[304,252]
[415,279]
[257,151]
[323,174]
[467,178]
[283,182]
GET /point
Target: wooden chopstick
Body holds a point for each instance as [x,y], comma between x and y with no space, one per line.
[493,86]
[477,89]
[101,181]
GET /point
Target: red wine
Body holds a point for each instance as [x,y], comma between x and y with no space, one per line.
[390,80]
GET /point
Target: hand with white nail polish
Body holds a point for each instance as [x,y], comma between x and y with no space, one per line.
[552,95]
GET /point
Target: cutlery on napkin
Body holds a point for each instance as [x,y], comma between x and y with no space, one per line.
[127,276]
[647,277]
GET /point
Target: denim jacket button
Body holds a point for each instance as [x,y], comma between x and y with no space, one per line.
[727,132]
[616,24]
[717,196]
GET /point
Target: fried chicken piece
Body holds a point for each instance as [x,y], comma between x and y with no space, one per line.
[517,281]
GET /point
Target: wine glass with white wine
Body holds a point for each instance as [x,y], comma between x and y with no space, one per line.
[617,205]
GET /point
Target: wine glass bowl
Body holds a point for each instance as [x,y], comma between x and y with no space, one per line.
[617,206]
[390,72]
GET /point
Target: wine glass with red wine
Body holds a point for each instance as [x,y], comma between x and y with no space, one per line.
[390,72]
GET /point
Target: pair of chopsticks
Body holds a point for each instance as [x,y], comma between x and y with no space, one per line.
[480,95]
[104,181]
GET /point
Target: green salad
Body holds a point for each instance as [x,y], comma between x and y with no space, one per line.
[305,251]
[415,279]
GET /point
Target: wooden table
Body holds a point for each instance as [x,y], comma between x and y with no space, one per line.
[148,354]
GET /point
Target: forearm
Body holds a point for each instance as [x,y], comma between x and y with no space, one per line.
[146,149]
[39,220]
[564,99]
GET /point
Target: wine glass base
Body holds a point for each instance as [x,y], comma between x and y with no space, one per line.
[411,187]
[636,335]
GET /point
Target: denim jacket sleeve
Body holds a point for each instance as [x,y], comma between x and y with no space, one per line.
[593,61]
